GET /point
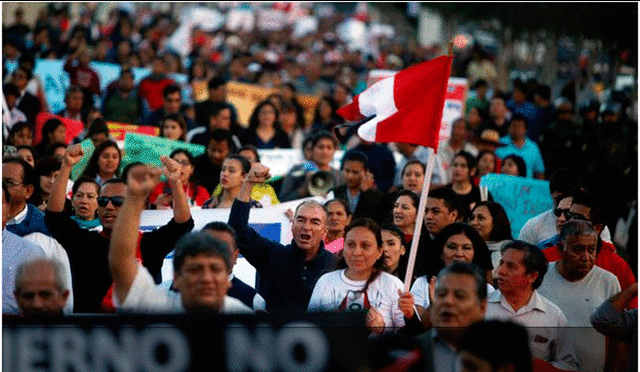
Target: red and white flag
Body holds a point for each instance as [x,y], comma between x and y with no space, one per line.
[407,107]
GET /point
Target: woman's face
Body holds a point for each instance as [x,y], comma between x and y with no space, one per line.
[231,174]
[27,156]
[413,178]
[509,167]
[361,251]
[46,182]
[20,79]
[23,137]
[482,222]
[473,117]
[404,213]
[109,160]
[267,115]
[338,218]
[85,201]
[486,164]
[57,136]
[171,130]
[392,248]
[323,151]
[460,171]
[186,168]
[457,248]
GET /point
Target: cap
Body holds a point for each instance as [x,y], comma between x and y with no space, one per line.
[491,137]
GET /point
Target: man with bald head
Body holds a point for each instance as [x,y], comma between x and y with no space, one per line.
[286,274]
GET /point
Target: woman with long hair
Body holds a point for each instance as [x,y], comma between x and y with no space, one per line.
[395,252]
[491,222]
[53,131]
[514,165]
[338,219]
[405,211]
[463,169]
[104,164]
[360,284]
[161,196]
[45,172]
[173,127]
[264,130]
[234,169]
[488,162]
[326,114]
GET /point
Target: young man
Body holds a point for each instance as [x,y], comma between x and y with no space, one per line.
[208,165]
[521,271]
[517,143]
[202,264]
[362,201]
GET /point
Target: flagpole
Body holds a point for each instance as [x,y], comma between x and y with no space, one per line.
[417,230]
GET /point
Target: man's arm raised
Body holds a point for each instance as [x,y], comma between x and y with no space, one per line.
[181,210]
[124,236]
[58,194]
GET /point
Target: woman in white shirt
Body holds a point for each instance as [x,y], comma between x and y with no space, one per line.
[360,285]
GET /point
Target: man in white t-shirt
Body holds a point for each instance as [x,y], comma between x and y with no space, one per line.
[202,264]
[522,269]
[578,287]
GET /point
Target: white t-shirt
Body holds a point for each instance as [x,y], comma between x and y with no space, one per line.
[335,292]
[420,291]
[146,297]
[578,300]
[543,227]
[546,325]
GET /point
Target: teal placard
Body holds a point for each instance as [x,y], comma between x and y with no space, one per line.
[522,198]
[148,149]
[87,147]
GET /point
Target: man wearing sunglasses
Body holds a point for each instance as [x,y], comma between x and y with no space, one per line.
[88,250]
[586,208]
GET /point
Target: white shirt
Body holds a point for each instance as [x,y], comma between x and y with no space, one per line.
[543,227]
[334,289]
[19,217]
[546,325]
[420,291]
[146,297]
[578,300]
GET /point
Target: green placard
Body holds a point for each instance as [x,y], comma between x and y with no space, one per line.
[87,147]
[148,149]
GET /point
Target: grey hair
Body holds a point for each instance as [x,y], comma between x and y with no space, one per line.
[58,270]
[313,203]
[576,228]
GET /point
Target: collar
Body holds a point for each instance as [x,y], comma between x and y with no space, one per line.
[20,216]
[535,302]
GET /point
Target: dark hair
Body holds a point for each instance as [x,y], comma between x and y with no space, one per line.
[565,180]
[222,135]
[320,135]
[97,126]
[544,91]
[501,229]
[355,155]
[27,71]
[92,168]
[414,161]
[481,254]
[193,244]
[415,199]
[520,117]
[372,226]
[534,260]
[449,197]
[80,181]
[342,202]
[222,227]
[170,89]
[178,118]
[44,167]
[5,190]
[244,162]
[467,269]
[51,149]
[192,179]
[522,167]
[598,213]
[10,89]
[28,175]
[27,147]
[254,121]
[17,127]
[125,171]
[216,82]
[480,83]
[404,259]
[471,162]
[335,118]
[503,343]
[251,148]
[49,127]
[72,89]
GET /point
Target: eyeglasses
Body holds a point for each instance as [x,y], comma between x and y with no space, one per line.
[558,212]
[115,200]
[11,183]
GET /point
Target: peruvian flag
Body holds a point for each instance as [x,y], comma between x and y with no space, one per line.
[406,107]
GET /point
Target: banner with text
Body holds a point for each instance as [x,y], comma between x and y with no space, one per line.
[148,149]
[522,198]
[118,131]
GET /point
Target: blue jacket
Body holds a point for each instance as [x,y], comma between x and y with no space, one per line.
[34,222]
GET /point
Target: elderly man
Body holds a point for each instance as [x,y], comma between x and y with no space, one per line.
[201,264]
[521,271]
[578,287]
[459,300]
[287,274]
[41,287]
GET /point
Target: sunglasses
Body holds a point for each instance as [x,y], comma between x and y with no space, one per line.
[558,212]
[115,200]
[569,215]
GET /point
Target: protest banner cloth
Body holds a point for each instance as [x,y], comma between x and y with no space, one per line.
[522,198]
[118,131]
[406,107]
[73,127]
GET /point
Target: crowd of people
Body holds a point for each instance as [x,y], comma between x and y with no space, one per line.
[74,246]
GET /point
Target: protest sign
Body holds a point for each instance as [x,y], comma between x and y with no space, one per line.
[118,131]
[73,127]
[79,167]
[148,149]
[522,198]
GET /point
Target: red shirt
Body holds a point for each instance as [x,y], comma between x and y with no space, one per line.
[606,259]
[195,195]
[151,90]
[82,76]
